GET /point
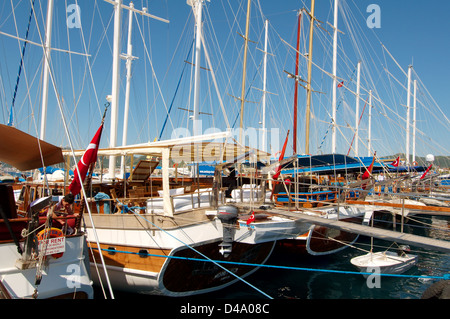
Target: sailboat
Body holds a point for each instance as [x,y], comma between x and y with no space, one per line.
[178,239]
[306,191]
[38,261]
[310,194]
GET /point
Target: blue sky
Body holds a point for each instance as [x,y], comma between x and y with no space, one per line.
[414,32]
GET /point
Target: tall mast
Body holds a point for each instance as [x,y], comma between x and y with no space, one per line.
[294,140]
[358,84]
[115,85]
[197,6]
[48,40]
[369,144]
[129,58]
[308,99]
[263,141]
[408,114]
[335,82]
[114,98]
[244,71]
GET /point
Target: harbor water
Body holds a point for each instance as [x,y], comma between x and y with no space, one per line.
[304,276]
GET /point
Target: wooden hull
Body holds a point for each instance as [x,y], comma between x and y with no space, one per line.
[173,256]
[182,271]
[184,277]
[320,240]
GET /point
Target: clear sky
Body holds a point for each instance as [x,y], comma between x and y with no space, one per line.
[414,32]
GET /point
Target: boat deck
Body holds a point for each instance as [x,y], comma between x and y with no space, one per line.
[414,240]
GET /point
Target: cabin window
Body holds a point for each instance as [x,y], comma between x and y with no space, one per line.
[22,193]
[32,193]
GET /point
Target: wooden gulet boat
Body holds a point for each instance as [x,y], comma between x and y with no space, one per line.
[310,194]
[38,261]
[181,242]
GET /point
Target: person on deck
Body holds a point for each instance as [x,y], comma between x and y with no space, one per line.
[64,208]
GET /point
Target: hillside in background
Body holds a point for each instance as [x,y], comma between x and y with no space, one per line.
[441,161]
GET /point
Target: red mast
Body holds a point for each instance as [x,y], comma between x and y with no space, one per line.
[296,83]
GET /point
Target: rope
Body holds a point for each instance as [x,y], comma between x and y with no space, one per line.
[217,262]
[42,252]
[11,117]
[59,103]
[207,258]
[174,96]
[348,272]
[337,109]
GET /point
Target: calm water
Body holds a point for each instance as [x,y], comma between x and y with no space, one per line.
[283,284]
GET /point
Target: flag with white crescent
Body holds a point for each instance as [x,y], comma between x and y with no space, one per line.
[89,156]
[396,162]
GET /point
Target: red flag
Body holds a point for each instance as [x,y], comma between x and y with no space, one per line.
[251,219]
[89,156]
[341,84]
[429,167]
[396,162]
[277,173]
[368,171]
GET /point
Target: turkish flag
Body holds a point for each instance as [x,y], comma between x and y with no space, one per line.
[251,219]
[341,84]
[368,171]
[396,162]
[89,156]
[429,167]
[277,173]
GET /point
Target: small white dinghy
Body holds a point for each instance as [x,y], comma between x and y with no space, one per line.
[388,262]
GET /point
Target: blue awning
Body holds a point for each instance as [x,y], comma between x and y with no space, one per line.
[330,164]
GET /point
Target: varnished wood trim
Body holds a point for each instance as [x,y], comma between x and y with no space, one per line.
[423,209]
[128,257]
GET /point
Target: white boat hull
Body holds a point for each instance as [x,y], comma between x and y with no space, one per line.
[63,278]
[384,262]
[176,263]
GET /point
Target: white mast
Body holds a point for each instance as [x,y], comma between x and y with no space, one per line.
[115,85]
[414,124]
[358,84]
[333,129]
[47,48]
[197,7]
[263,141]
[408,114]
[369,144]
[129,58]
[114,99]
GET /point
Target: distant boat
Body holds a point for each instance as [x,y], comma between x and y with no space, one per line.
[388,262]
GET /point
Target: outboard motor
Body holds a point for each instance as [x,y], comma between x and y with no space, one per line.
[228,216]
[403,249]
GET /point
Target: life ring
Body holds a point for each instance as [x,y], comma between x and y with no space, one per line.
[414,163]
[51,233]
